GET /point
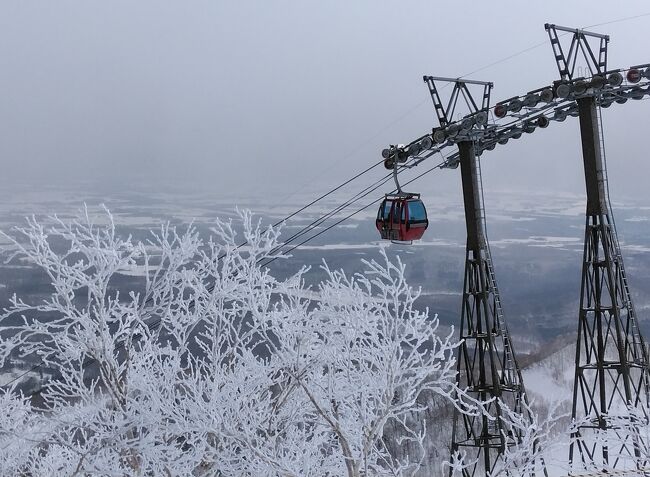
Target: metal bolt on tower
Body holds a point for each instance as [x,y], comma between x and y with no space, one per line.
[611,366]
[487,367]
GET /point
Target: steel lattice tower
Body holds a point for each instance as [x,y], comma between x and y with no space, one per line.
[487,366]
[611,366]
[486,363]
[611,370]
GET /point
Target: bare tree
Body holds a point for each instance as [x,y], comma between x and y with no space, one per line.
[214,367]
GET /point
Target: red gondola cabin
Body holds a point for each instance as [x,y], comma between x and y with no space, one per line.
[402,218]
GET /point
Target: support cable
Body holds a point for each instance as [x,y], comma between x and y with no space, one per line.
[315,223]
[40,364]
[368,190]
[545,42]
[437,166]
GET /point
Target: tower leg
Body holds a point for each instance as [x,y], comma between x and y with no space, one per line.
[487,367]
[611,365]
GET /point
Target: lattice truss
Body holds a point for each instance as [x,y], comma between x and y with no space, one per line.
[611,361]
[487,367]
[611,388]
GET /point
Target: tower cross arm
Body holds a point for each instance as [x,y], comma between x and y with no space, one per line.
[548,26]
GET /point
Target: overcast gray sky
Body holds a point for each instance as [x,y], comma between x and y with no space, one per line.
[255,97]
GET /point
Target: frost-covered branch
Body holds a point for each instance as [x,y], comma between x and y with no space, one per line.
[211,365]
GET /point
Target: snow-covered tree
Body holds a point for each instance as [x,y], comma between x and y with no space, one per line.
[627,440]
[213,366]
[542,438]
[542,447]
